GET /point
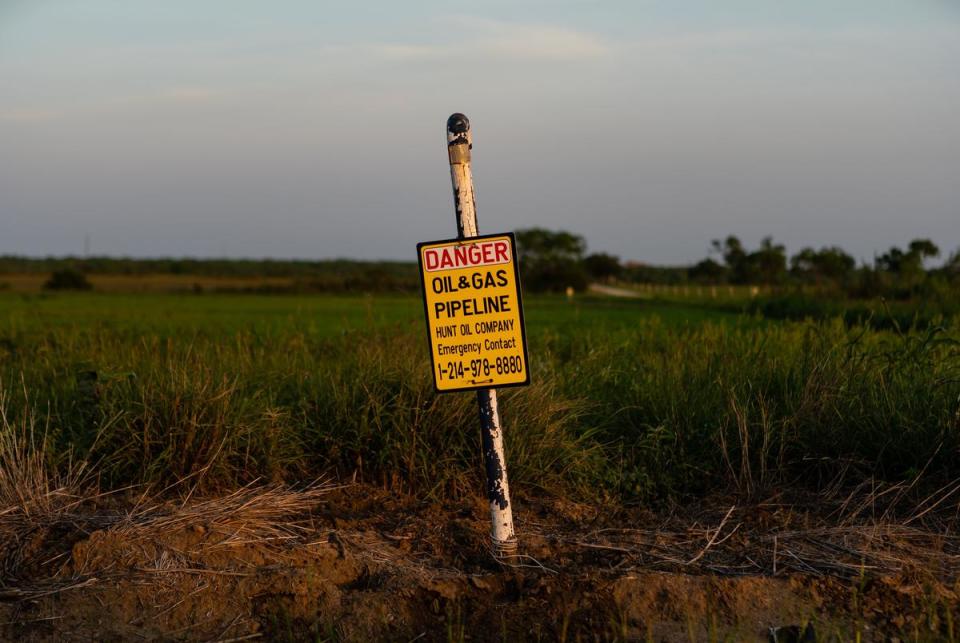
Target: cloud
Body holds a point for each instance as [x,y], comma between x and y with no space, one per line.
[545,42]
[494,39]
[29,115]
[164,97]
[190,94]
[406,52]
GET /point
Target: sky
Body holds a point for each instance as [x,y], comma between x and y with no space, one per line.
[305,129]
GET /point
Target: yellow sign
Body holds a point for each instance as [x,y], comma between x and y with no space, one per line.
[471,298]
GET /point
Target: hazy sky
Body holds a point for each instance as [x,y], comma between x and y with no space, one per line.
[316,129]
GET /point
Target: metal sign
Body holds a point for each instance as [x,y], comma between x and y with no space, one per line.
[471,299]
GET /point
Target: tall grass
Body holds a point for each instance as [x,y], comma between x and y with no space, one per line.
[30,483]
[688,410]
[646,413]
[921,312]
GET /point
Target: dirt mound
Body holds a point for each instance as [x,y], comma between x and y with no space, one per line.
[357,564]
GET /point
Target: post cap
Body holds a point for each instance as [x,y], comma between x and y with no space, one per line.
[458,130]
[458,123]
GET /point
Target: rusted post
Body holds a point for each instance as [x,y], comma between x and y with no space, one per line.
[459,144]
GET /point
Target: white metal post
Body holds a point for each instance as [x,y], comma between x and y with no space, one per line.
[459,144]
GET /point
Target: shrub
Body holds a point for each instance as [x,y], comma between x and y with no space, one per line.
[68,279]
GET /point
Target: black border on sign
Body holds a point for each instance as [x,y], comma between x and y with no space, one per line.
[426,313]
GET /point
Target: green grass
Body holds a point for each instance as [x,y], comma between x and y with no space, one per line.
[215,314]
[631,400]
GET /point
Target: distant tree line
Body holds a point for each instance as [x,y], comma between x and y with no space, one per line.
[12,264]
[337,275]
[898,273]
[552,261]
[555,260]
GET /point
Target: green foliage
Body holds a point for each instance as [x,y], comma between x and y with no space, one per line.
[551,261]
[647,274]
[825,282]
[875,313]
[285,403]
[67,279]
[629,401]
[715,406]
[902,271]
[951,269]
[602,266]
[822,266]
[708,271]
[766,265]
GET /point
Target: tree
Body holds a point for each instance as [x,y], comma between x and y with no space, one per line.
[826,264]
[708,271]
[908,263]
[551,260]
[924,248]
[68,279]
[901,273]
[908,266]
[733,254]
[952,268]
[768,264]
[600,265]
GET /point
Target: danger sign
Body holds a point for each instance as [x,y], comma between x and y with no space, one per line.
[471,297]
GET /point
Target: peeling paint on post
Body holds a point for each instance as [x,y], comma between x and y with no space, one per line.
[459,144]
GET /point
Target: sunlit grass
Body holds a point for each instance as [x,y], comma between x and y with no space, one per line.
[629,401]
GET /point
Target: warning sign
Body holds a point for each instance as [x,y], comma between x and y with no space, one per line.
[471,298]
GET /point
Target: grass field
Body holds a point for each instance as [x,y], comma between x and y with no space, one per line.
[636,399]
[321,314]
[147,434]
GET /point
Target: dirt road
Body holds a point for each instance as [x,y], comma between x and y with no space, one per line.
[613,291]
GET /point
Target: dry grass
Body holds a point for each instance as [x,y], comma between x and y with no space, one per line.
[45,507]
[862,534]
[192,552]
[251,514]
[29,486]
[229,535]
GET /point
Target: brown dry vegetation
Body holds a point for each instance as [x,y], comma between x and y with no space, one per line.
[356,563]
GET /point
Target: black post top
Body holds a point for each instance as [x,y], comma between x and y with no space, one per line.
[458,124]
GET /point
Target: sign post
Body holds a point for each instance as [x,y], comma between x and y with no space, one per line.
[474,317]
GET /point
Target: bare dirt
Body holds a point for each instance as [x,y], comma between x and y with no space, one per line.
[356,563]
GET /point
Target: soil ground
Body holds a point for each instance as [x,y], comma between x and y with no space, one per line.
[356,563]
